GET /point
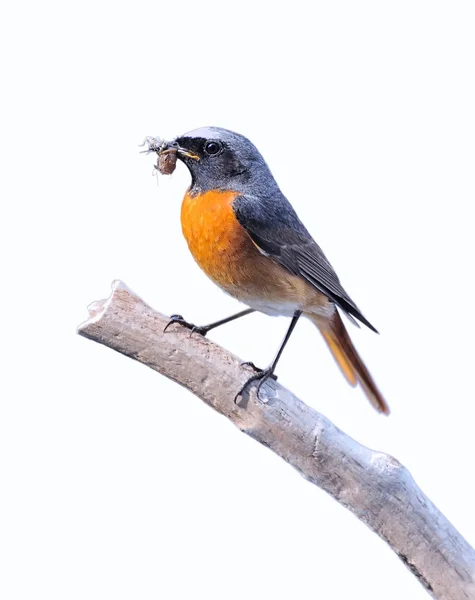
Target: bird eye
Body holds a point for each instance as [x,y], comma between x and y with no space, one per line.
[213,148]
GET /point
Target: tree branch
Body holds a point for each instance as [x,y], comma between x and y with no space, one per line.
[374,486]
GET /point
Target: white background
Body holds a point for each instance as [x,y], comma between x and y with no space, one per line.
[116,483]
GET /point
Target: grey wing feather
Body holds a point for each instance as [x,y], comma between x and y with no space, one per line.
[281,235]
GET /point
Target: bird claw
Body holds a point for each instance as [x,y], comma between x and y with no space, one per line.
[181,321]
[249,363]
[175,319]
[261,375]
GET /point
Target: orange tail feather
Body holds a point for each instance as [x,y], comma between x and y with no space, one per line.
[346,356]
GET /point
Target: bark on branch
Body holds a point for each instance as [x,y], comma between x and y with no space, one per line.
[374,486]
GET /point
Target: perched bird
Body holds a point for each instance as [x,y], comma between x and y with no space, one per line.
[245,235]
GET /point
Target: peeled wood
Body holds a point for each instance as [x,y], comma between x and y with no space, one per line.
[374,486]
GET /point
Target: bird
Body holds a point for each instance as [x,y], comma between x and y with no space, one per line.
[248,239]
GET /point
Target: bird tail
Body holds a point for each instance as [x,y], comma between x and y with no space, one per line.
[348,359]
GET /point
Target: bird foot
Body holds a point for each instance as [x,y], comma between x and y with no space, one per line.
[181,321]
[261,375]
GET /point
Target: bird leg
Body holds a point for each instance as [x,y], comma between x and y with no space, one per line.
[204,329]
[263,375]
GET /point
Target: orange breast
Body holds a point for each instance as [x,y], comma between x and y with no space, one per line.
[216,239]
[225,252]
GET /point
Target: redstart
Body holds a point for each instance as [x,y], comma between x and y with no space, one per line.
[246,236]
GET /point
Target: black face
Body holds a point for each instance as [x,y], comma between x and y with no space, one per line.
[210,158]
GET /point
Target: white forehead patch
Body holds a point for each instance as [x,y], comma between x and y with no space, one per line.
[203,132]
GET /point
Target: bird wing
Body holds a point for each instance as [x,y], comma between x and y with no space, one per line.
[276,230]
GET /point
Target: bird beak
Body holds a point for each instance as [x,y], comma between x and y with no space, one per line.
[182,152]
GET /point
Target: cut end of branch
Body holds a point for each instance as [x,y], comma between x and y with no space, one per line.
[98,308]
